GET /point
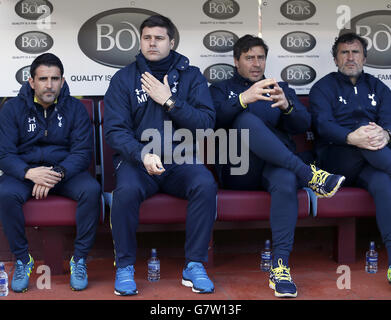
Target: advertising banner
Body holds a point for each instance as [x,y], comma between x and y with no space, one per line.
[300,34]
[96,38]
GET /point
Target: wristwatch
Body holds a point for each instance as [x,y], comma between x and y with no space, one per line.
[290,107]
[59,170]
[389,134]
[169,104]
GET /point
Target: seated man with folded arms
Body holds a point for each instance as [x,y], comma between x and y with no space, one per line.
[351,112]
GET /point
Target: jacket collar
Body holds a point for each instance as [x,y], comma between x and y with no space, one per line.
[346,78]
[180,63]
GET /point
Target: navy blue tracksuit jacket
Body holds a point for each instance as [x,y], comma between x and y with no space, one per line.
[226,99]
[338,107]
[27,139]
[129,111]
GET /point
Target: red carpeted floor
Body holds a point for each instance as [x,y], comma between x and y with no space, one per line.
[241,287]
[236,277]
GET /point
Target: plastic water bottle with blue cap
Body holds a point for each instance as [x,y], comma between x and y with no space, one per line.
[371,258]
[266,257]
[3,281]
[153,267]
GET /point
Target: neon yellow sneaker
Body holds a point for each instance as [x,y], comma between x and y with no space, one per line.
[389,274]
[324,184]
[281,282]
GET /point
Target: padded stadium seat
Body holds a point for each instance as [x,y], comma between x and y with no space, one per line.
[347,202]
[252,205]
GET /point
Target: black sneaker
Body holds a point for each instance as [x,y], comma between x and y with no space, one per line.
[324,184]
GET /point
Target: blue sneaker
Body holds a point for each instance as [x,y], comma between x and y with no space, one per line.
[281,282]
[124,281]
[20,279]
[194,276]
[79,277]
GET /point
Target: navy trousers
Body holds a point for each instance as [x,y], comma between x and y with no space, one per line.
[134,185]
[276,169]
[367,169]
[82,188]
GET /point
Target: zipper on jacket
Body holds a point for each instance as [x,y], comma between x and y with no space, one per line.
[355,90]
[45,115]
[116,168]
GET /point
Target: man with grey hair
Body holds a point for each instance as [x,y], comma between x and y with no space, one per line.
[351,112]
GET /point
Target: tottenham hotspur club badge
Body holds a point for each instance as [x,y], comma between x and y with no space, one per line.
[59,120]
[372,97]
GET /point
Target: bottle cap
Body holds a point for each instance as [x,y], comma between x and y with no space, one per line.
[372,245]
[1,266]
[153,252]
[267,244]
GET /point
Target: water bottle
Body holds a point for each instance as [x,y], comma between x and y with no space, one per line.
[266,257]
[371,259]
[153,267]
[3,281]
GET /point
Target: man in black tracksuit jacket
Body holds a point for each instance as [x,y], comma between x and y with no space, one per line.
[46,146]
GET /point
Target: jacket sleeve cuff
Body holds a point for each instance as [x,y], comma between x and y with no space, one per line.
[244,106]
[60,169]
[344,136]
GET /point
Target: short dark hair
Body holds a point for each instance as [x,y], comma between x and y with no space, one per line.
[46,59]
[159,21]
[348,38]
[247,42]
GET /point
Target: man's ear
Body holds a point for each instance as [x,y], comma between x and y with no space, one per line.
[62,81]
[31,82]
[172,43]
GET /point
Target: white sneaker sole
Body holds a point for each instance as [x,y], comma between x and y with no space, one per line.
[189,284]
[125,294]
